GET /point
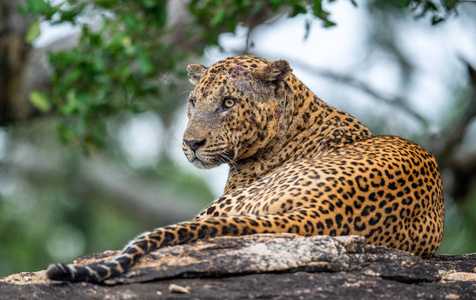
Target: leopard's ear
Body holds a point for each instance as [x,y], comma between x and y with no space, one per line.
[275,71]
[195,72]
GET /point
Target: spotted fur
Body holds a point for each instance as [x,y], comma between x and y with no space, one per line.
[297,165]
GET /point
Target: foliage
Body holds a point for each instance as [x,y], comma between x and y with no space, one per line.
[113,65]
[439,10]
[225,15]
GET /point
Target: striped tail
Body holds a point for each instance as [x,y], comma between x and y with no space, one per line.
[94,273]
[120,264]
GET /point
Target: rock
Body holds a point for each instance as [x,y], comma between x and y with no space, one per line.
[267,266]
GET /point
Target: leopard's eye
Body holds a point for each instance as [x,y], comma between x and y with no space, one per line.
[228,103]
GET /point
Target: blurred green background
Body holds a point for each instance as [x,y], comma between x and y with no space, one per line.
[93,94]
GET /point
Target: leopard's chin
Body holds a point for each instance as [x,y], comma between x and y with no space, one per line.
[202,164]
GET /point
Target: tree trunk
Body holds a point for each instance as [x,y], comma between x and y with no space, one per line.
[14,53]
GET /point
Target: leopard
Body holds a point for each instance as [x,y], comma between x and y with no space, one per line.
[296,165]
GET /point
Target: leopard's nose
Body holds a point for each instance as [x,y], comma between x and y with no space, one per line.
[195,144]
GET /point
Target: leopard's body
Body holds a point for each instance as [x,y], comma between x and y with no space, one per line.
[297,165]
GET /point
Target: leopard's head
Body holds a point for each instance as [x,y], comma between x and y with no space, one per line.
[234,110]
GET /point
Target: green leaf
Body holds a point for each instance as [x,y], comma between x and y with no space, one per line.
[66,135]
[128,45]
[435,20]
[431,6]
[33,32]
[328,23]
[276,3]
[40,101]
[39,7]
[258,5]
[71,106]
[297,9]
[145,64]
[317,7]
[70,15]
[130,20]
[148,3]
[218,18]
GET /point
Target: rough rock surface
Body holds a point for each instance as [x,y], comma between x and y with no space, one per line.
[277,266]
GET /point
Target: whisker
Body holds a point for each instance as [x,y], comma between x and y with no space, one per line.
[225,159]
[188,92]
[175,162]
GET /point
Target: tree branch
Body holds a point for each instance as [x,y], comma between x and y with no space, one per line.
[453,137]
[351,81]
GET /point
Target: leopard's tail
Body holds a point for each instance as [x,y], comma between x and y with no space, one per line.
[96,273]
[174,235]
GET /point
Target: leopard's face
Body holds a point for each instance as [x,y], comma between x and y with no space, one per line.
[233,111]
